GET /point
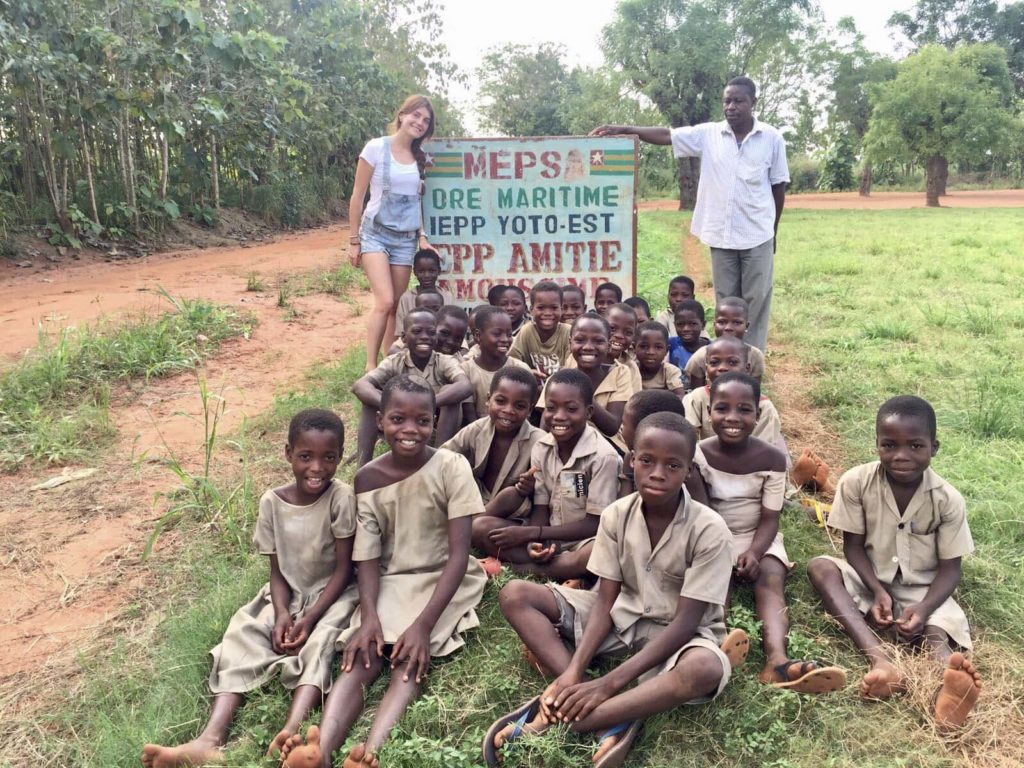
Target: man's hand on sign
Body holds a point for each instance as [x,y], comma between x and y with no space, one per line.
[609,130]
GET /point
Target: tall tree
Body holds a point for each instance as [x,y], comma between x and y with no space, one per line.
[680,54]
[943,106]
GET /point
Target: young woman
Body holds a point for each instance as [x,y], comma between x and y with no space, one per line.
[387,233]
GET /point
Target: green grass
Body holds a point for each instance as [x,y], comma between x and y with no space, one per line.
[857,298]
[55,400]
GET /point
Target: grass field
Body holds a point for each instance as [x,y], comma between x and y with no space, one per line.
[873,304]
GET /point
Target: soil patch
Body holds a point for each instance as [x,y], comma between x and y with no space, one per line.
[985,198]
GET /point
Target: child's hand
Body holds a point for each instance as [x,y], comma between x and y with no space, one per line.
[368,639]
[748,566]
[577,701]
[511,536]
[281,628]
[527,482]
[541,553]
[296,636]
[912,621]
[881,609]
[552,694]
[540,375]
[412,649]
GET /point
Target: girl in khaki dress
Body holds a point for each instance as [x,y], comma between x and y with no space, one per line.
[745,480]
[307,529]
[418,585]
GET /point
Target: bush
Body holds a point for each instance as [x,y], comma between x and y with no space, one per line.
[803,174]
[838,160]
[290,201]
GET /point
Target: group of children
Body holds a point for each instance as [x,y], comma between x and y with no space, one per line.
[636,474]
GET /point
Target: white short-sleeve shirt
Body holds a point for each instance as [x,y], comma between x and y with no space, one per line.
[735,208]
[405,178]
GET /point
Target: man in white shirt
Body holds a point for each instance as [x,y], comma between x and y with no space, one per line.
[740,196]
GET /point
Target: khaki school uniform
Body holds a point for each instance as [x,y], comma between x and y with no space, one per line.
[545,356]
[628,359]
[474,442]
[439,371]
[303,539]
[668,377]
[584,485]
[697,409]
[697,365]
[904,550]
[692,559]
[668,319]
[405,525]
[616,387]
[481,381]
[407,302]
[739,500]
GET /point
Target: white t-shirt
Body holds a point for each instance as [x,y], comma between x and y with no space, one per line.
[405,178]
[735,208]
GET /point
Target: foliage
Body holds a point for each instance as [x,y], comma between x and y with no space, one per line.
[837,161]
[804,173]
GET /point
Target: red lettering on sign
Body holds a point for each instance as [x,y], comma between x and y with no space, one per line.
[481,252]
[552,167]
[499,164]
[522,164]
[518,261]
[609,255]
[542,257]
[474,165]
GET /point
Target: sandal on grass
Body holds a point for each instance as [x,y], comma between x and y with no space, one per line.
[817,511]
[616,755]
[520,718]
[492,566]
[736,646]
[811,677]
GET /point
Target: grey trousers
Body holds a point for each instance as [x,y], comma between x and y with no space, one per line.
[748,274]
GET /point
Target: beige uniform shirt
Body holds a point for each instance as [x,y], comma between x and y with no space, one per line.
[586,484]
[696,365]
[667,318]
[545,356]
[481,381]
[474,442]
[692,559]
[697,409]
[617,386]
[668,377]
[405,524]
[439,371]
[407,302]
[933,528]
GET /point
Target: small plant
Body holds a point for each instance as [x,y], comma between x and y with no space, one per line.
[283,296]
[254,283]
[888,329]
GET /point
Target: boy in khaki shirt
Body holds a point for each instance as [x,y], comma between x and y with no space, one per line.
[574,475]
[664,563]
[904,533]
[730,320]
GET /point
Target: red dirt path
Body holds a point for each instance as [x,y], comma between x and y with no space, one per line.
[987,198]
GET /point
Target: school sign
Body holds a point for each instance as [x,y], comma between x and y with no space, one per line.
[518,211]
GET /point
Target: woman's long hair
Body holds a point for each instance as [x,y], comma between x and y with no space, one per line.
[411,104]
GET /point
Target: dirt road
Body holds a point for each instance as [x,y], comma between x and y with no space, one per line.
[989,198]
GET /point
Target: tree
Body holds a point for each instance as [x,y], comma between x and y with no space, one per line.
[947,22]
[680,54]
[837,161]
[523,89]
[942,106]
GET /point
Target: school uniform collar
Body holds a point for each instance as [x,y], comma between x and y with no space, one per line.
[682,515]
[408,362]
[587,445]
[930,480]
[487,432]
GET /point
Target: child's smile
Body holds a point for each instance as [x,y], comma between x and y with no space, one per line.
[589,344]
[565,412]
[314,459]
[733,412]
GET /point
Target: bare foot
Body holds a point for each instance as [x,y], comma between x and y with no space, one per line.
[194,753]
[961,686]
[803,676]
[604,746]
[533,661]
[278,743]
[298,754]
[535,727]
[360,757]
[881,682]
[736,646]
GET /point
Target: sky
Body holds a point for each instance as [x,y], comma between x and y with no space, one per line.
[471,27]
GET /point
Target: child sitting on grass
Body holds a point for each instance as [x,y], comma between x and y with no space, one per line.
[904,534]
[452,322]
[290,627]
[663,562]
[418,586]
[543,343]
[729,355]
[690,336]
[651,351]
[493,337]
[605,295]
[730,320]
[439,372]
[746,481]
[426,266]
[641,307]
[513,301]
[681,288]
[622,324]
[429,299]
[574,476]
[574,303]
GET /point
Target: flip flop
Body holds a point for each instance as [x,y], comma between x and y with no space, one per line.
[492,566]
[617,755]
[816,510]
[813,677]
[736,646]
[520,717]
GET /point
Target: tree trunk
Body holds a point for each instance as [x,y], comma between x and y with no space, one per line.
[688,174]
[165,165]
[935,184]
[215,171]
[865,179]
